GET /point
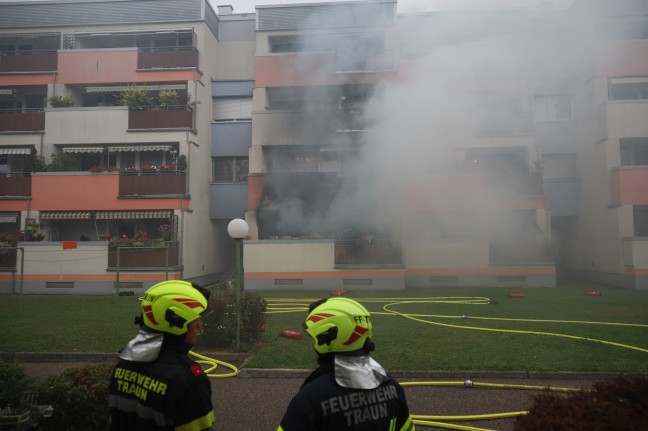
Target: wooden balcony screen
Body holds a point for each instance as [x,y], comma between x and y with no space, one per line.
[367,253]
[167,59]
[160,119]
[15,186]
[22,121]
[172,183]
[29,63]
[143,258]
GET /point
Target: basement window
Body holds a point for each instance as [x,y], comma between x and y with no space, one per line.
[59,285]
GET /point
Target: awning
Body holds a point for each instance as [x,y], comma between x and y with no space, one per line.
[132,215]
[6,91]
[120,88]
[638,80]
[21,150]
[117,148]
[83,149]
[65,215]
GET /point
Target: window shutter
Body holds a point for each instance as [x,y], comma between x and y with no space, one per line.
[232,108]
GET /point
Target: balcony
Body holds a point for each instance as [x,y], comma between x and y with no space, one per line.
[161,118]
[144,257]
[156,183]
[30,121]
[520,252]
[628,185]
[37,61]
[510,124]
[19,185]
[167,58]
[323,68]
[365,252]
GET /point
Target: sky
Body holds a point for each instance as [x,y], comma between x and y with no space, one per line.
[404,6]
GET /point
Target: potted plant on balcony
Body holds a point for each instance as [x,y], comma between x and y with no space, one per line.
[135,98]
[149,169]
[60,101]
[168,98]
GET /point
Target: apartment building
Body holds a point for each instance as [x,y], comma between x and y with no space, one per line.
[608,241]
[392,151]
[365,148]
[105,142]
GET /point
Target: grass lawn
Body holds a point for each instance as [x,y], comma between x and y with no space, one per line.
[426,334]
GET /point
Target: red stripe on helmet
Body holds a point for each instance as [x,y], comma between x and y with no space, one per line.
[191,303]
[148,310]
[317,317]
[358,332]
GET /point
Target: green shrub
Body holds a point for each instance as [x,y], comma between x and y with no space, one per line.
[60,101]
[618,404]
[168,98]
[64,162]
[15,387]
[135,98]
[220,329]
[79,397]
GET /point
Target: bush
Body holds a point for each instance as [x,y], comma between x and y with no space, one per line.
[60,101]
[135,98]
[79,397]
[15,387]
[619,404]
[220,330]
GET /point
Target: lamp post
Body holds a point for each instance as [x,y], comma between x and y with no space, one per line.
[238,229]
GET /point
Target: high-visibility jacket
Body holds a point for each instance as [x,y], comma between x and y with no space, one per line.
[171,393]
[321,404]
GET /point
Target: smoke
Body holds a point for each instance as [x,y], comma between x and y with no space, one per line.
[461,83]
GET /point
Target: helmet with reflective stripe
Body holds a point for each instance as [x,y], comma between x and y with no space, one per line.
[338,325]
[171,305]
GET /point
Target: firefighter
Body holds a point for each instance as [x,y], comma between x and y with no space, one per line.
[155,386]
[349,390]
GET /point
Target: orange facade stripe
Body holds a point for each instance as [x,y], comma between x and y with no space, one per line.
[325,274]
[9,80]
[89,192]
[630,270]
[123,277]
[525,270]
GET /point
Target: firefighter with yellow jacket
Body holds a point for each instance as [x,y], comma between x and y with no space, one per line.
[155,386]
[349,390]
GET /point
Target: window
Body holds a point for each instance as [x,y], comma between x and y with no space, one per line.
[634,151]
[293,160]
[628,88]
[303,98]
[230,169]
[232,108]
[640,214]
[552,108]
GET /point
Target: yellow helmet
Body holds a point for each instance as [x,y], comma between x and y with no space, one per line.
[171,305]
[338,325]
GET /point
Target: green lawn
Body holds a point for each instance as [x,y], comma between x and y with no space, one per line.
[443,336]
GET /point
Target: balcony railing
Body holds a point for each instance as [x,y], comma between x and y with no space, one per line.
[522,251]
[167,58]
[31,121]
[152,183]
[37,61]
[19,184]
[515,183]
[168,117]
[144,257]
[348,63]
[365,252]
